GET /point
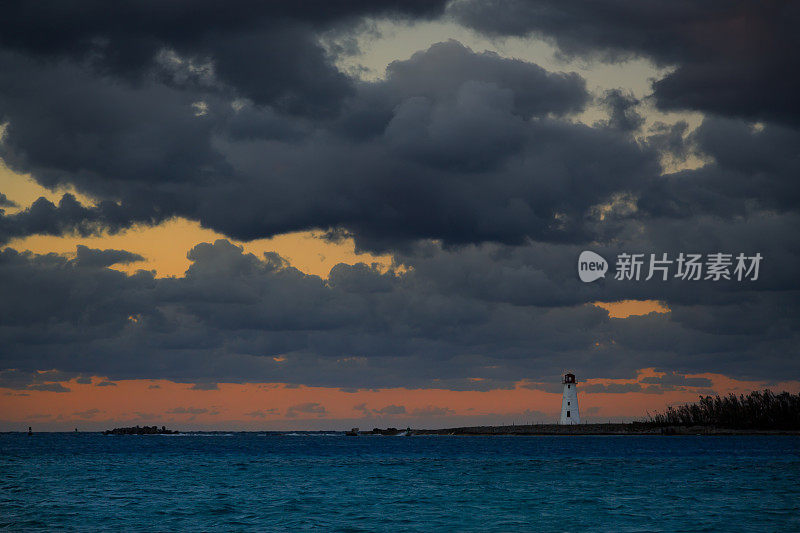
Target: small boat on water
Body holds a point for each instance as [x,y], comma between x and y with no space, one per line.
[352,433]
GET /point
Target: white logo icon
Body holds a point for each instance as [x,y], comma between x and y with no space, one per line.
[591,266]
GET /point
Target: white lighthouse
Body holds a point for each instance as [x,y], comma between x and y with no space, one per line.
[569,402]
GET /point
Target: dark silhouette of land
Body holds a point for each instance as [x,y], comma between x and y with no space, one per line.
[144,430]
[758,410]
[757,413]
[632,428]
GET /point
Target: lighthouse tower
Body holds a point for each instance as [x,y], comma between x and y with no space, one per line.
[569,402]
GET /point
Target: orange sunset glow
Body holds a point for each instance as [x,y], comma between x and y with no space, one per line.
[254,406]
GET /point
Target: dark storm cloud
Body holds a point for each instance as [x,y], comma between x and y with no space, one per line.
[266,51]
[35,380]
[71,217]
[670,381]
[544,274]
[5,202]
[735,58]
[121,94]
[453,145]
[49,300]
[751,168]
[91,257]
[453,157]
[459,157]
[439,72]
[622,110]
[48,387]
[235,317]
[469,154]
[53,29]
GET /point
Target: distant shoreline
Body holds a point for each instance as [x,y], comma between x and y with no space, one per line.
[598,429]
[610,429]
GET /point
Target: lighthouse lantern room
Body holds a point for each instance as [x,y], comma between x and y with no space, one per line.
[569,401]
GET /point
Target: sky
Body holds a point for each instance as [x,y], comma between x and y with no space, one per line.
[324,215]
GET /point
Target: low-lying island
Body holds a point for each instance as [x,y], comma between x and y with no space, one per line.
[140,430]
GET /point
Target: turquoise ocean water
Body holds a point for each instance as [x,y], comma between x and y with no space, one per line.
[329,482]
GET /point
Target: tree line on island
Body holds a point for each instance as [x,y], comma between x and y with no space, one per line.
[143,430]
[758,410]
[762,412]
